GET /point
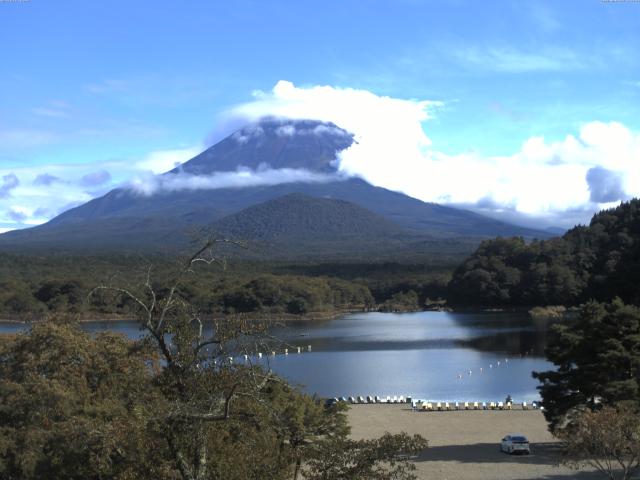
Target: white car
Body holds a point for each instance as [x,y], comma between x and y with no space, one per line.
[515,443]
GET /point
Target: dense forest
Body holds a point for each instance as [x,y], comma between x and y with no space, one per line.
[600,261]
[34,287]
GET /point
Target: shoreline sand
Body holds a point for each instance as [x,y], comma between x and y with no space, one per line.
[465,444]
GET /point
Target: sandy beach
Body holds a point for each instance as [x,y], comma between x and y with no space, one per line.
[465,444]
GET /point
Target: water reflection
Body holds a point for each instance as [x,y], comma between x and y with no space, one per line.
[431,355]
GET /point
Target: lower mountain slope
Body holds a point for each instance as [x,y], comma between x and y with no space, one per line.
[123,219]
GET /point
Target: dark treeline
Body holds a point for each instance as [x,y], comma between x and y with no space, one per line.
[39,286]
[600,261]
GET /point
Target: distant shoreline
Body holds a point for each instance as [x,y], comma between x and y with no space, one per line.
[279,317]
[314,316]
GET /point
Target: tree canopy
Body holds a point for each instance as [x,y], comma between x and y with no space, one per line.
[599,261]
[598,362]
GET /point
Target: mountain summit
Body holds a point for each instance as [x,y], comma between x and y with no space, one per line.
[284,157]
[277,143]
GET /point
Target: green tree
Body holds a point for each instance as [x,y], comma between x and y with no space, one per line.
[598,362]
[76,407]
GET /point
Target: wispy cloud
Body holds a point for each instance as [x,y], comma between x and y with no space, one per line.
[542,16]
[22,138]
[164,160]
[38,196]
[95,179]
[9,183]
[151,184]
[510,60]
[53,109]
[108,85]
[46,179]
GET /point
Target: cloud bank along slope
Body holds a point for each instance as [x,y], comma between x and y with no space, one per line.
[595,167]
[557,182]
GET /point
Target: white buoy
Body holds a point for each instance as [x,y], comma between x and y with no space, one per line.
[298,349]
[491,365]
[308,348]
[286,351]
[506,360]
[480,369]
[469,372]
[498,363]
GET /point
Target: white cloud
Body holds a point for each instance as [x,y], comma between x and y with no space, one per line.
[562,181]
[150,184]
[164,160]
[32,195]
[543,179]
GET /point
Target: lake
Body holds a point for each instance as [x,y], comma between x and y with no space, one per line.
[439,356]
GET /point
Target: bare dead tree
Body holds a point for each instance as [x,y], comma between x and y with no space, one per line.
[200,379]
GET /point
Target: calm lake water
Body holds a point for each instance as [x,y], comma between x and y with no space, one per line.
[427,355]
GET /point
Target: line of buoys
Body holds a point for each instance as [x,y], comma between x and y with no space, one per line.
[506,360]
[273,353]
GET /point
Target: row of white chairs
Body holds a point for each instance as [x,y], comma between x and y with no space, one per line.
[446,406]
[374,399]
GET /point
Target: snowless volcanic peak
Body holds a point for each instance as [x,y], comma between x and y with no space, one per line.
[275,143]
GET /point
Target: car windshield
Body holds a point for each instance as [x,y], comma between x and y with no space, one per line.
[519,439]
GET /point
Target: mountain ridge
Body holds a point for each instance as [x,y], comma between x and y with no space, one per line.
[127,219]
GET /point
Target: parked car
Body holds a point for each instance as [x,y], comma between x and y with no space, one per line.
[515,443]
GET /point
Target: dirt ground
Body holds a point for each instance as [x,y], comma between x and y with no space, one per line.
[466,444]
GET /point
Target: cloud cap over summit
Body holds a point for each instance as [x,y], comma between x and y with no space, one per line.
[274,143]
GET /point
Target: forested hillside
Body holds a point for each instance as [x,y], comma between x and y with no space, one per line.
[34,287]
[599,261]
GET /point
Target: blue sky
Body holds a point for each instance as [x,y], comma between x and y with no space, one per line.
[93,92]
